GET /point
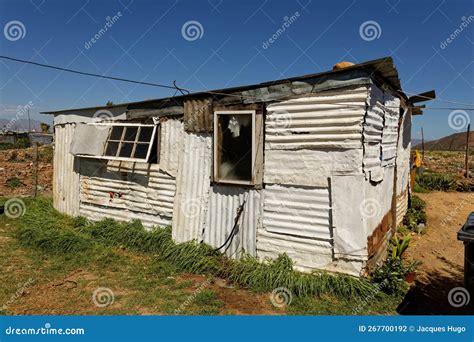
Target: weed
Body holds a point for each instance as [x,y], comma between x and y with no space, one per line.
[14,183]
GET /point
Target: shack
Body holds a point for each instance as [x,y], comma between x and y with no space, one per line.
[316,166]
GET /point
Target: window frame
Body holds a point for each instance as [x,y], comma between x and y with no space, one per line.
[215,167]
[154,135]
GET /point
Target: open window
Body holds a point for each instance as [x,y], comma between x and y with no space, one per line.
[234,147]
[118,141]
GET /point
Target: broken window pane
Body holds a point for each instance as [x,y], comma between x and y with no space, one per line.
[234,144]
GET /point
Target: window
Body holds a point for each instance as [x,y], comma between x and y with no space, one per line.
[127,142]
[130,142]
[234,147]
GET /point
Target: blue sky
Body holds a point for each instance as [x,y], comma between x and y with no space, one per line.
[146,42]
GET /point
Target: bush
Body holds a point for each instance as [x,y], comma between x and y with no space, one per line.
[435,181]
[415,215]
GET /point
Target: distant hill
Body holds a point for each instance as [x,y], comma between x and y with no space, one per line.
[453,142]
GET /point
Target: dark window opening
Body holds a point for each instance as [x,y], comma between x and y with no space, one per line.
[234,147]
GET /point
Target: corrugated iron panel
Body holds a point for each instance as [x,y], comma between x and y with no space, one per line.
[66,177]
[224,203]
[192,187]
[390,129]
[171,138]
[198,115]
[307,167]
[134,195]
[330,119]
[297,211]
[308,254]
[402,206]
[373,130]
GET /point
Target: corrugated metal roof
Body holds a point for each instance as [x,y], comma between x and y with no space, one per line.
[382,67]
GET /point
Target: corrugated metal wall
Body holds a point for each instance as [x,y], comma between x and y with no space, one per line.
[390,129]
[303,212]
[192,187]
[224,203]
[66,172]
[330,119]
[171,139]
[145,192]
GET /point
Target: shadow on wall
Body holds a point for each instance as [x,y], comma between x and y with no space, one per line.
[432,297]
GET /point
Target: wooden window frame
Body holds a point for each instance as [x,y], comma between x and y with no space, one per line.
[216,147]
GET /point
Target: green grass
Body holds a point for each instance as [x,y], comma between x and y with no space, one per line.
[144,268]
[59,234]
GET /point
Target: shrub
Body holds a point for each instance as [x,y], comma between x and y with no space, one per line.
[436,181]
[14,183]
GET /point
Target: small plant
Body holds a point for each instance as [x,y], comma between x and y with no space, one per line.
[400,246]
[391,276]
[14,183]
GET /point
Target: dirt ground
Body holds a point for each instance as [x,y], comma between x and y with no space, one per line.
[16,172]
[441,254]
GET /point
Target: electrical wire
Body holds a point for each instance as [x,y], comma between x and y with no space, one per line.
[188,91]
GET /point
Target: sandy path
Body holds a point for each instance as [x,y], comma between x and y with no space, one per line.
[441,253]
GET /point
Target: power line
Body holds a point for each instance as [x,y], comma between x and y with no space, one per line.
[174,87]
[182,90]
[87,73]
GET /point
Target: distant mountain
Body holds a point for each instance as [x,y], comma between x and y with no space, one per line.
[20,125]
[415,142]
[453,142]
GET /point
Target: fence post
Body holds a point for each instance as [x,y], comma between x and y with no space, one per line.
[35,168]
[466,160]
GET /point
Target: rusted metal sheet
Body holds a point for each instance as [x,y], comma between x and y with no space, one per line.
[330,119]
[192,187]
[198,115]
[126,195]
[224,202]
[66,172]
